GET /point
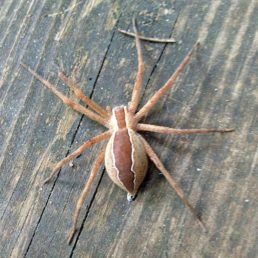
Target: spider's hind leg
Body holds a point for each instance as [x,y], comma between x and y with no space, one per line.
[76,153]
[96,166]
[154,158]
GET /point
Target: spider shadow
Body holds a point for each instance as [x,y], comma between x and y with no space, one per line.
[74,175]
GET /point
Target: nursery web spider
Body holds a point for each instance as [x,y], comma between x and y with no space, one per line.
[126,153]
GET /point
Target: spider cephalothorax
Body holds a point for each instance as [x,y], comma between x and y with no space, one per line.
[126,152]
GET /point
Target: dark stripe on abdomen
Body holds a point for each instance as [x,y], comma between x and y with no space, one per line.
[122,149]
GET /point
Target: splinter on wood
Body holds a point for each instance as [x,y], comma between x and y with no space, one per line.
[126,153]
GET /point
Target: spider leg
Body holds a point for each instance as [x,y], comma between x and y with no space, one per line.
[80,95]
[154,158]
[68,101]
[136,95]
[162,91]
[96,166]
[168,130]
[77,152]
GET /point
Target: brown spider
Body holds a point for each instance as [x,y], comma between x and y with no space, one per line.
[126,153]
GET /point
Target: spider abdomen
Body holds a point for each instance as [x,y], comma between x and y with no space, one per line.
[126,160]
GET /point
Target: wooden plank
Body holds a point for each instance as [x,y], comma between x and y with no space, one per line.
[218,89]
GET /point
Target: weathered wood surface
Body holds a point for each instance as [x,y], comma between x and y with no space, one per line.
[218,89]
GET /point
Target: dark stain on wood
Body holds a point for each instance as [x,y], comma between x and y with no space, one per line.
[218,89]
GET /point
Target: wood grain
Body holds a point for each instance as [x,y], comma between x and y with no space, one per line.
[218,89]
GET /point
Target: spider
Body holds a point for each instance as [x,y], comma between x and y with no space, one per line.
[126,153]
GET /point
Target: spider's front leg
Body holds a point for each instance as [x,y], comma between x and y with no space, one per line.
[69,102]
[136,95]
[80,95]
[162,91]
